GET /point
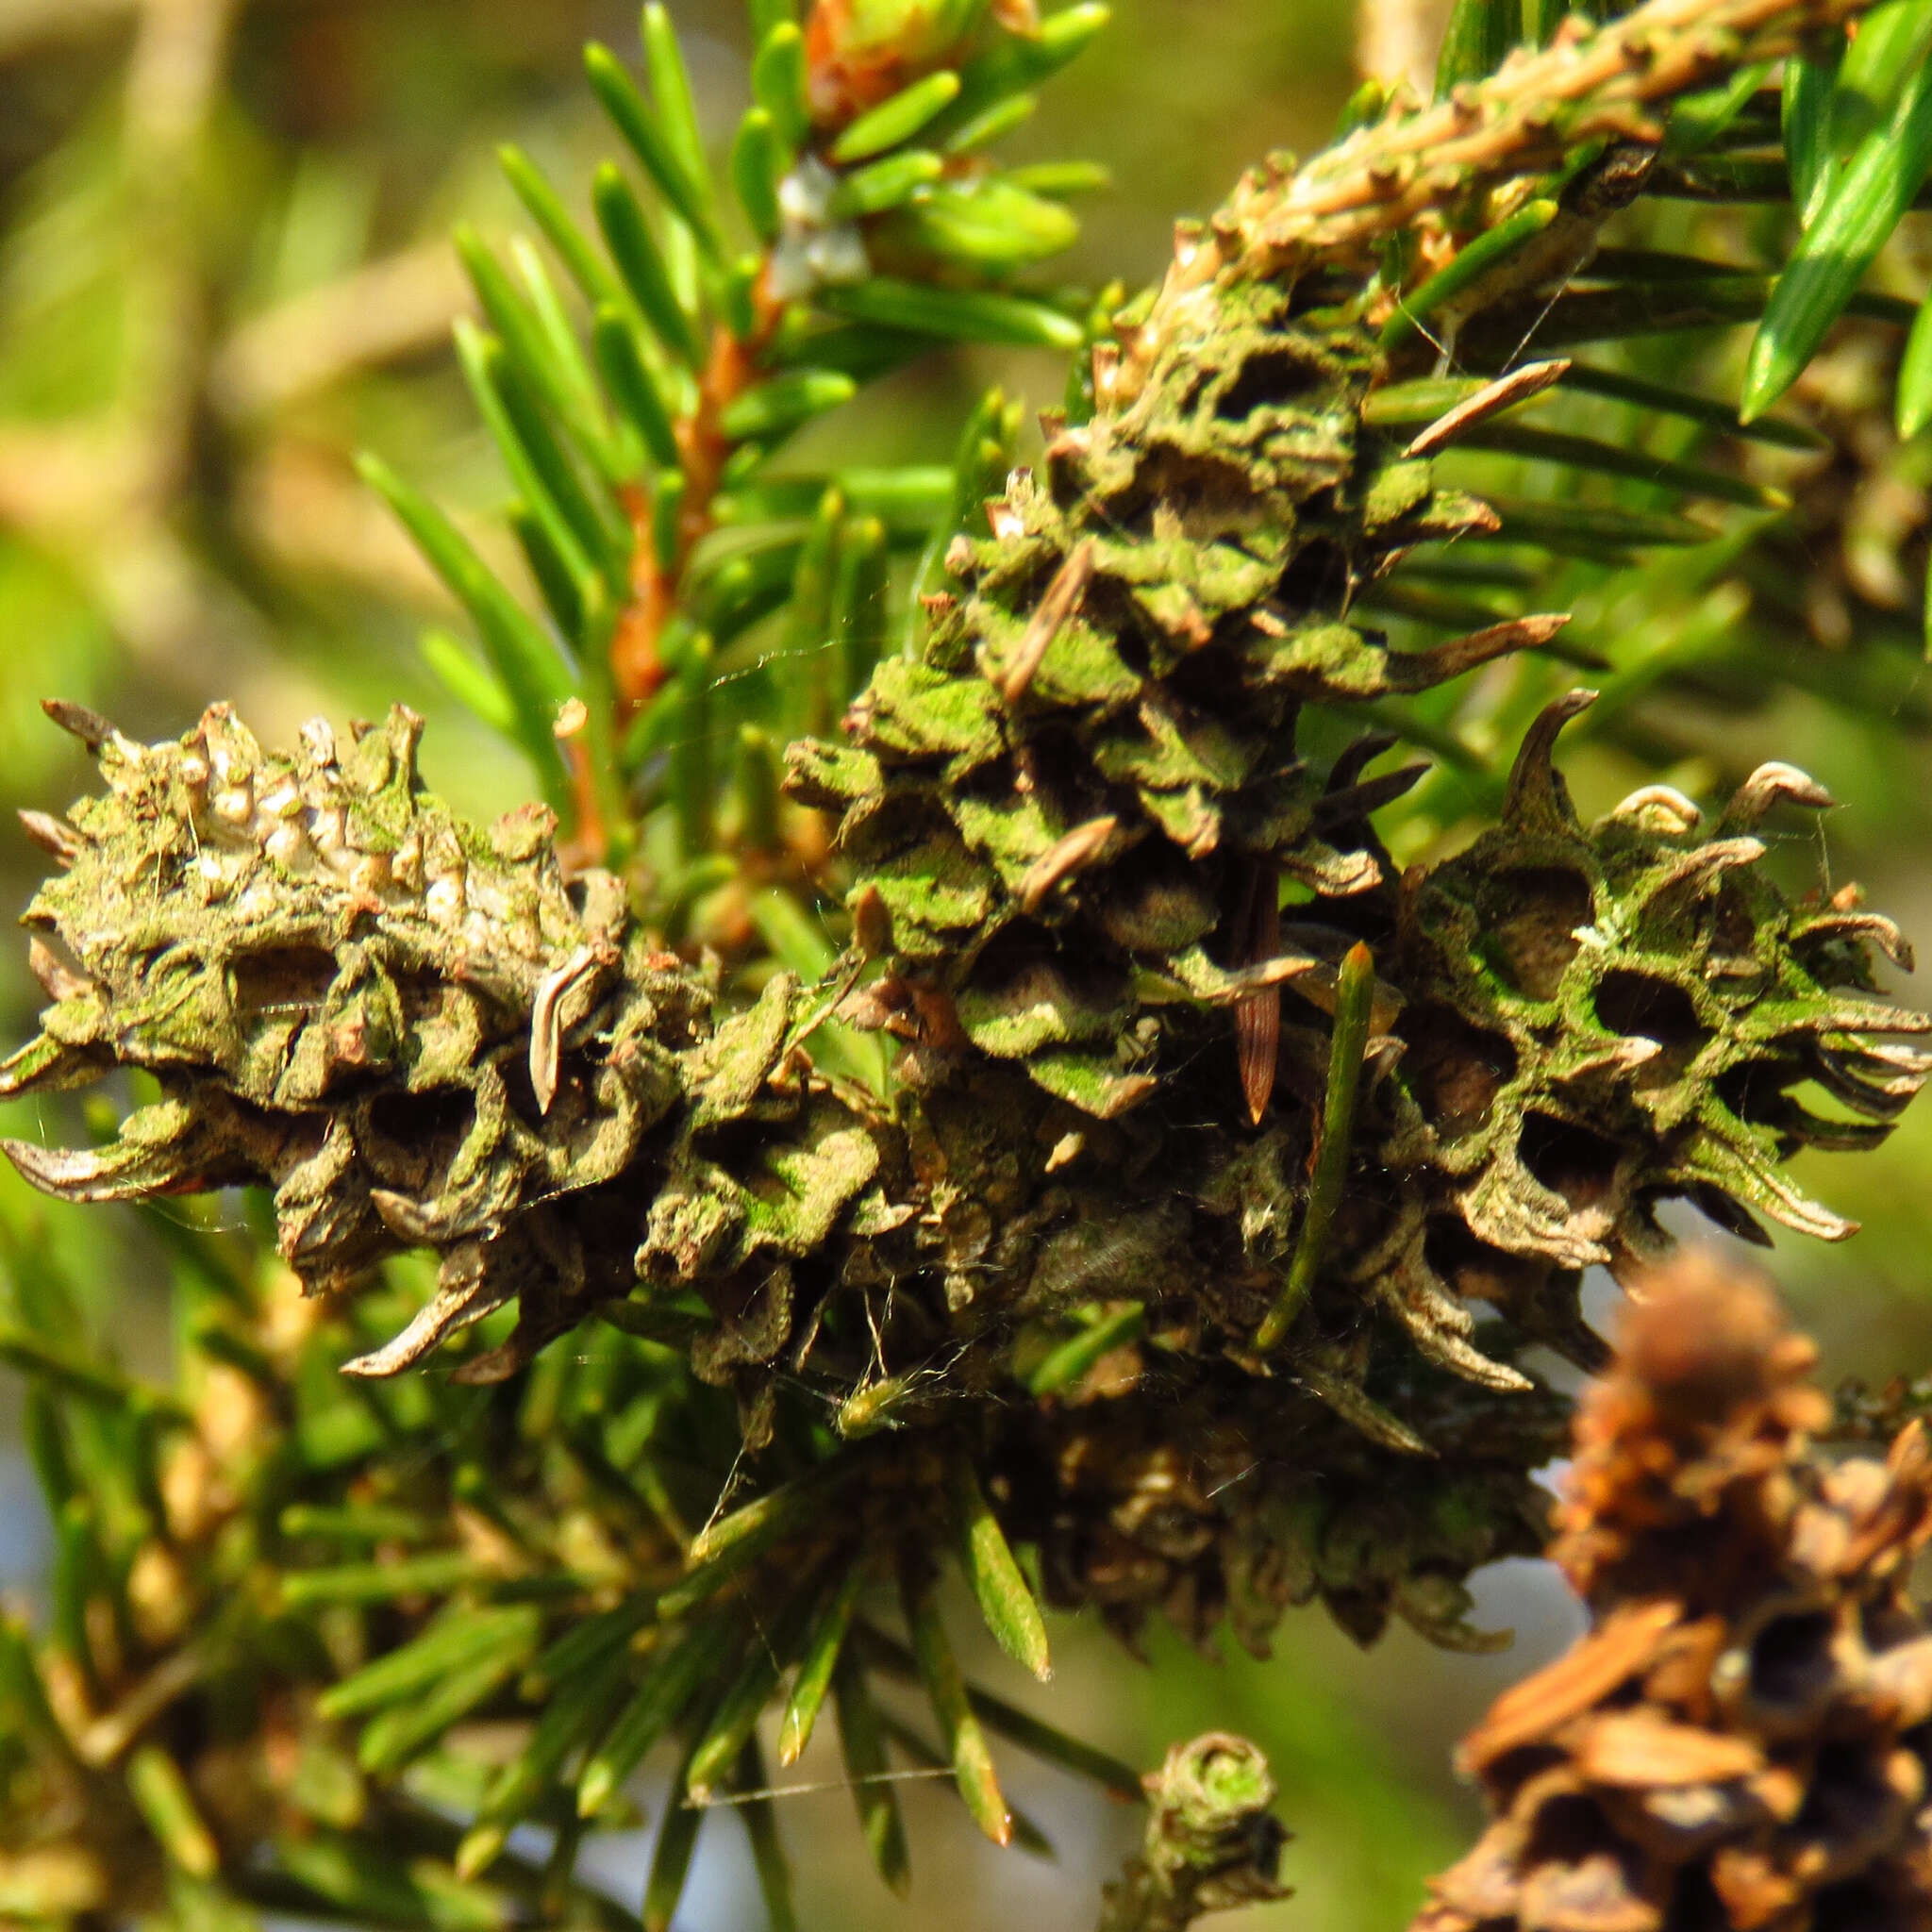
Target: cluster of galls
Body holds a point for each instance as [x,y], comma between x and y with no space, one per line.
[1070,824]
[419,1035]
[1742,1740]
[1068,829]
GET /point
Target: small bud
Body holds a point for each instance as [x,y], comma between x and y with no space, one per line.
[405,864]
[1008,525]
[282,800]
[328,827]
[859,52]
[319,741]
[235,804]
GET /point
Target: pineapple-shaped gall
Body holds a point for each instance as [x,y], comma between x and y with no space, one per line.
[1602,1018]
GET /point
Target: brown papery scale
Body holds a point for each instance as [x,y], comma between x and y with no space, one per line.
[1741,1740]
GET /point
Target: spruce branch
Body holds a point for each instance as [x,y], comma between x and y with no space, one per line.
[1211,1121]
[1532,117]
[542,1098]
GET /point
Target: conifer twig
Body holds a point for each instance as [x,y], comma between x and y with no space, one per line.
[1536,111]
[1212,1842]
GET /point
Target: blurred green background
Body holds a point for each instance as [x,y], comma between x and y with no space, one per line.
[222,272]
